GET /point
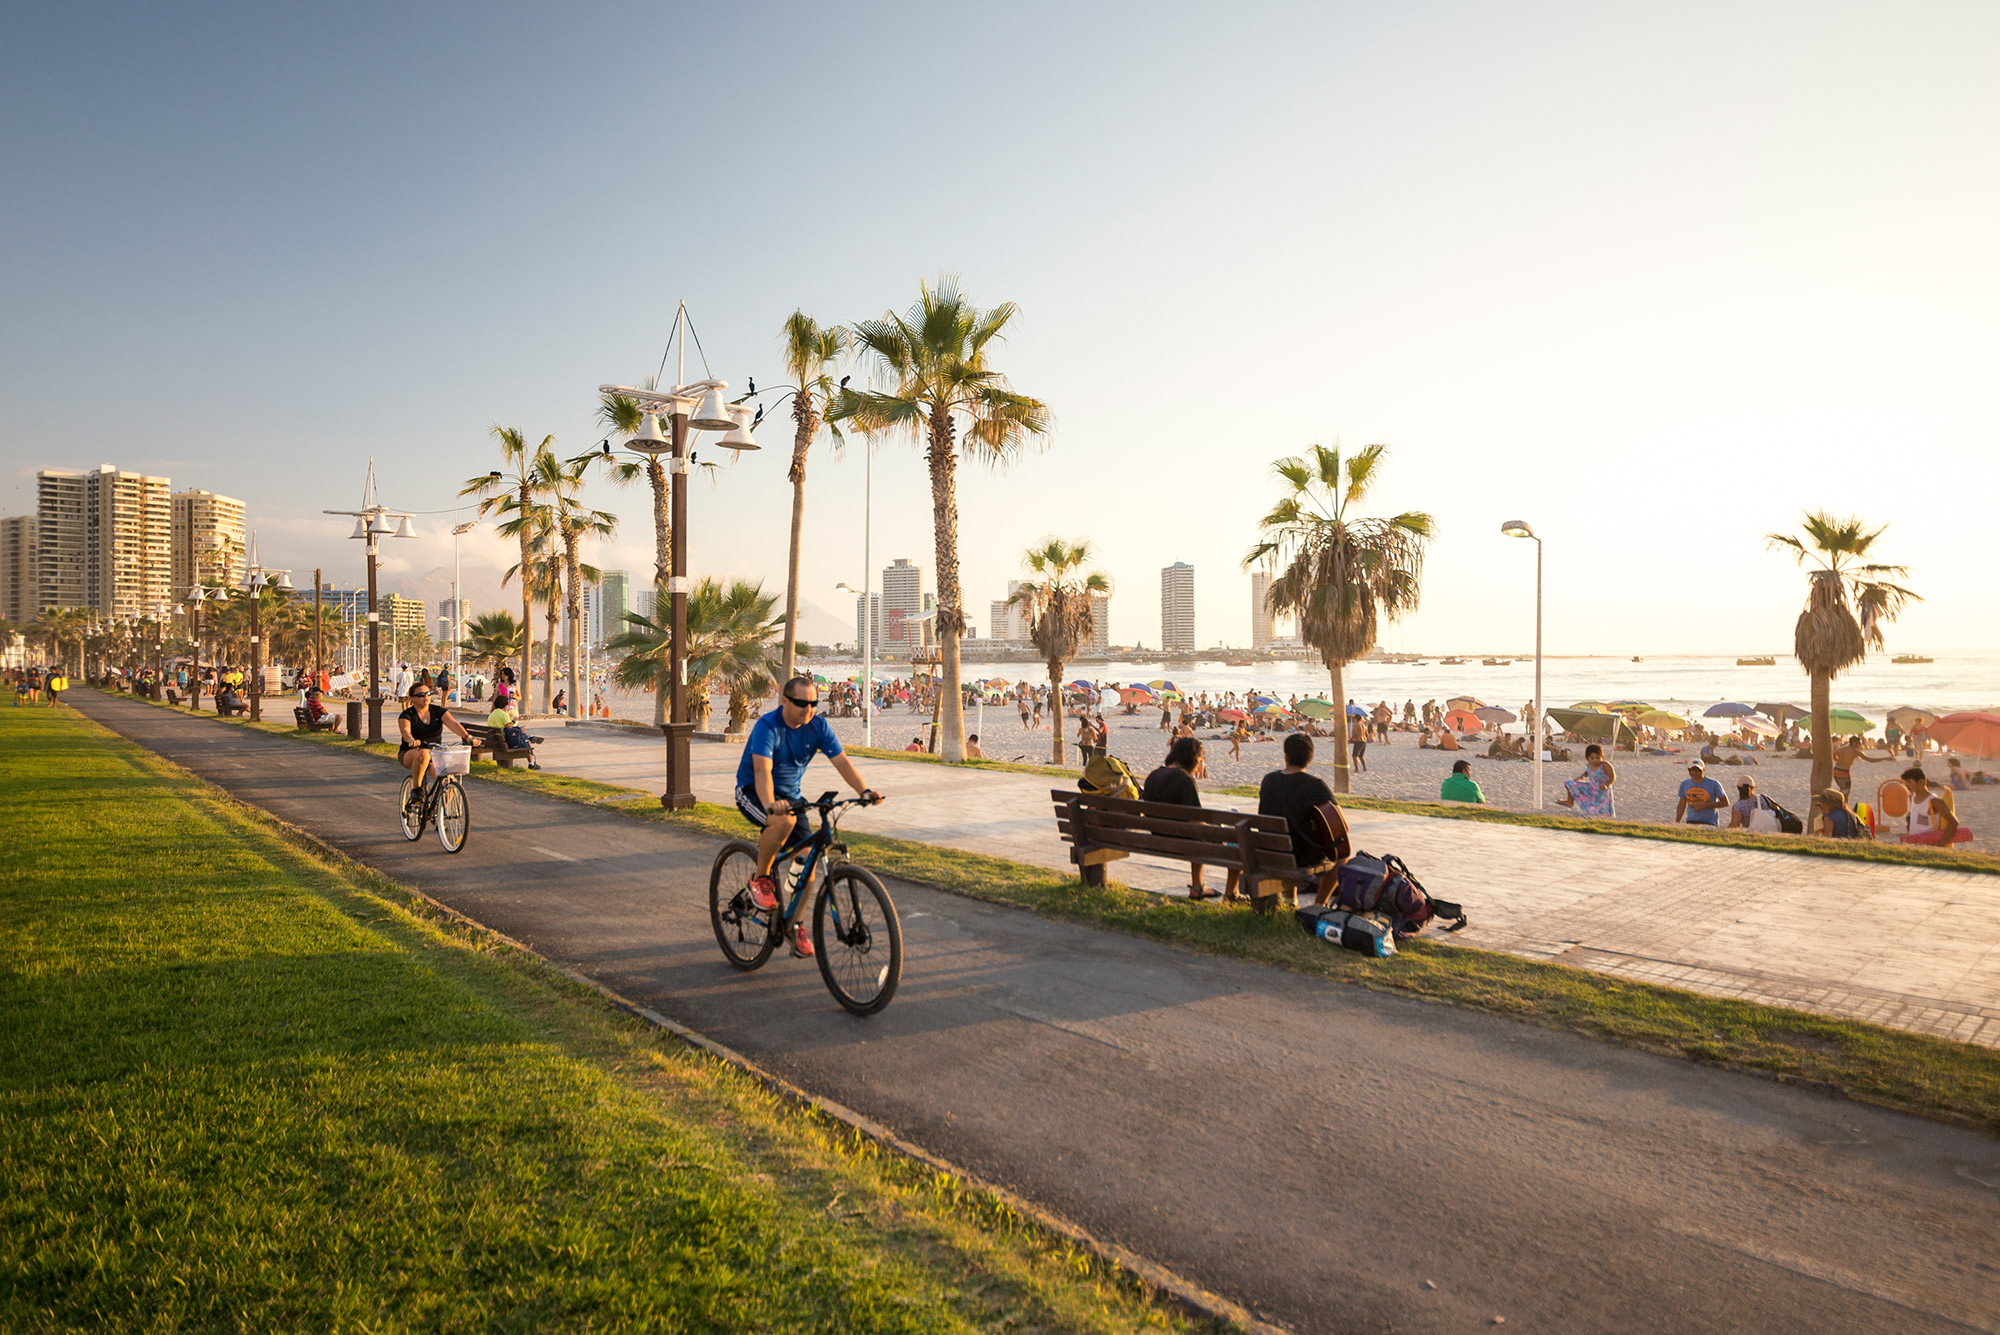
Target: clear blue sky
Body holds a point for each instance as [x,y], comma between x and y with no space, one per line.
[1655,278]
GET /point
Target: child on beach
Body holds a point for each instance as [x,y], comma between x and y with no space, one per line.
[1590,791]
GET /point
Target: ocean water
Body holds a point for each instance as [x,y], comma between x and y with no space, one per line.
[1952,682]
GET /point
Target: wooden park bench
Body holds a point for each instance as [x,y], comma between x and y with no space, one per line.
[173,696]
[239,709]
[304,720]
[1102,829]
[490,741]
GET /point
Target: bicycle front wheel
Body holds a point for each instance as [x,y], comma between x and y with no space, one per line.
[746,933]
[454,815]
[411,807]
[858,940]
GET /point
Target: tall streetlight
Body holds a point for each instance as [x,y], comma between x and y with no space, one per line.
[867,653]
[458,607]
[698,406]
[159,650]
[1518,528]
[257,577]
[371,522]
[196,596]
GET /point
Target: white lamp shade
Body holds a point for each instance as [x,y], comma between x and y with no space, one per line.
[406,528]
[647,440]
[739,432]
[713,413]
[284,582]
[360,528]
[380,524]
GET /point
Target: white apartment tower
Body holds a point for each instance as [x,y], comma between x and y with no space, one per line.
[103,540]
[868,634]
[1100,624]
[1006,622]
[1261,634]
[1177,607]
[17,570]
[208,539]
[903,601]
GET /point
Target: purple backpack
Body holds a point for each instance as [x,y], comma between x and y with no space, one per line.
[1385,885]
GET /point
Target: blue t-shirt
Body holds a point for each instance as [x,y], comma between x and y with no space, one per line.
[790,751]
[1695,815]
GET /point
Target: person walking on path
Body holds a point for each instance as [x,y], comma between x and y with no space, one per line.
[1701,798]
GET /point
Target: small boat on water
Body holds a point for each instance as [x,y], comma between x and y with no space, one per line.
[1496,662]
[1637,659]
[1756,662]
[1237,662]
[1912,658]
[1451,662]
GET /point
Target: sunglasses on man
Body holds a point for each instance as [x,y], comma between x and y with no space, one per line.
[803,704]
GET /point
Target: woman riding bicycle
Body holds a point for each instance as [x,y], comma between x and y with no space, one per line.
[423,726]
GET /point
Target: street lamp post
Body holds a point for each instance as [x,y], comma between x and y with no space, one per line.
[371,521]
[257,577]
[458,609]
[867,650]
[196,596]
[1518,528]
[698,407]
[159,651]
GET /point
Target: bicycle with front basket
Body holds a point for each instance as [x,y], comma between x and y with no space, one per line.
[857,937]
[442,799]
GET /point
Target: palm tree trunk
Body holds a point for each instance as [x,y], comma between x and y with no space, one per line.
[1822,730]
[1341,776]
[549,658]
[663,561]
[1055,709]
[575,628]
[801,441]
[524,695]
[950,610]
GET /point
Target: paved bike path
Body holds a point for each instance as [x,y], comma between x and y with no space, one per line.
[1315,1152]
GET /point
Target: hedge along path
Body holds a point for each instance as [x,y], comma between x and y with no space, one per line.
[1912,1072]
[245,1086]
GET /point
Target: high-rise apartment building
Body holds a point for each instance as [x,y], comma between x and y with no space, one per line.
[615,599]
[873,627]
[17,570]
[401,614]
[1008,623]
[645,600]
[1100,624]
[208,539]
[103,540]
[1261,634]
[903,601]
[590,612]
[1177,607]
[456,615]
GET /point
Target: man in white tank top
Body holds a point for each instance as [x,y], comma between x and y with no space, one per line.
[1933,814]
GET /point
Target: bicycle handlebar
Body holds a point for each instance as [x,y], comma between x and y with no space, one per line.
[828,803]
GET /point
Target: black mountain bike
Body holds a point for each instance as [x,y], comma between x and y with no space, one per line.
[857,937]
[443,800]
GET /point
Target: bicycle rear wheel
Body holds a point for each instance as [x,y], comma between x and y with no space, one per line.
[858,940]
[746,933]
[454,814]
[412,812]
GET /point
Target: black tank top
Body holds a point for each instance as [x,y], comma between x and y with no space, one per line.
[420,729]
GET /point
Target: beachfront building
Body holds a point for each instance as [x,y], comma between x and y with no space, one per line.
[872,628]
[103,540]
[615,600]
[453,614]
[1007,622]
[209,539]
[645,600]
[400,613]
[903,601]
[1100,624]
[17,570]
[1177,608]
[1261,632]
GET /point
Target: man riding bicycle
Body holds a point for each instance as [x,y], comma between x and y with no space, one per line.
[782,743]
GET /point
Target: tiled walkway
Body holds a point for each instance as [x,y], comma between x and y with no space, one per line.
[1908,947]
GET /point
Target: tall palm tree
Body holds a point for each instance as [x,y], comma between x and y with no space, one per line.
[1848,600]
[518,495]
[1057,605]
[729,630]
[811,354]
[1344,575]
[571,522]
[492,638]
[936,355]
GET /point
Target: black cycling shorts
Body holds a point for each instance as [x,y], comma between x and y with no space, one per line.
[753,810]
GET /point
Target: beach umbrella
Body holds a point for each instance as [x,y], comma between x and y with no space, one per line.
[1911,719]
[821,679]
[1591,723]
[1273,708]
[1135,695]
[1763,727]
[1783,714]
[1846,720]
[1162,684]
[1465,702]
[1230,715]
[1080,685]
[1727,710]
[1356,711]
[1628,706]
[1974,732]
[998,681]
[1592,706]
[1660,718]
[1316,708]
[1458,720]
[1493,714]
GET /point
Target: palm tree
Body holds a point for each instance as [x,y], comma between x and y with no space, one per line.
[492,638]
[1848,600]
[518,495]
[1057,605]
[810,355]
[1344,575]
[571,522]
[729,629]
[937,356]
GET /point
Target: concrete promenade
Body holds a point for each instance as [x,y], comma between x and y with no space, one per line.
[1913,948]
[1335,1159]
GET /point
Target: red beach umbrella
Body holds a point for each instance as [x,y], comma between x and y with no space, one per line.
[1459,720]
[1974,732]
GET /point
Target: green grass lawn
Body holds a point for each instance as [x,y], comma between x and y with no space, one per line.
[245,1089]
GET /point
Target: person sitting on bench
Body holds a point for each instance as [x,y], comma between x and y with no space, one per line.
[1174,782]
[1298,796]
[512,735]
[317,714]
